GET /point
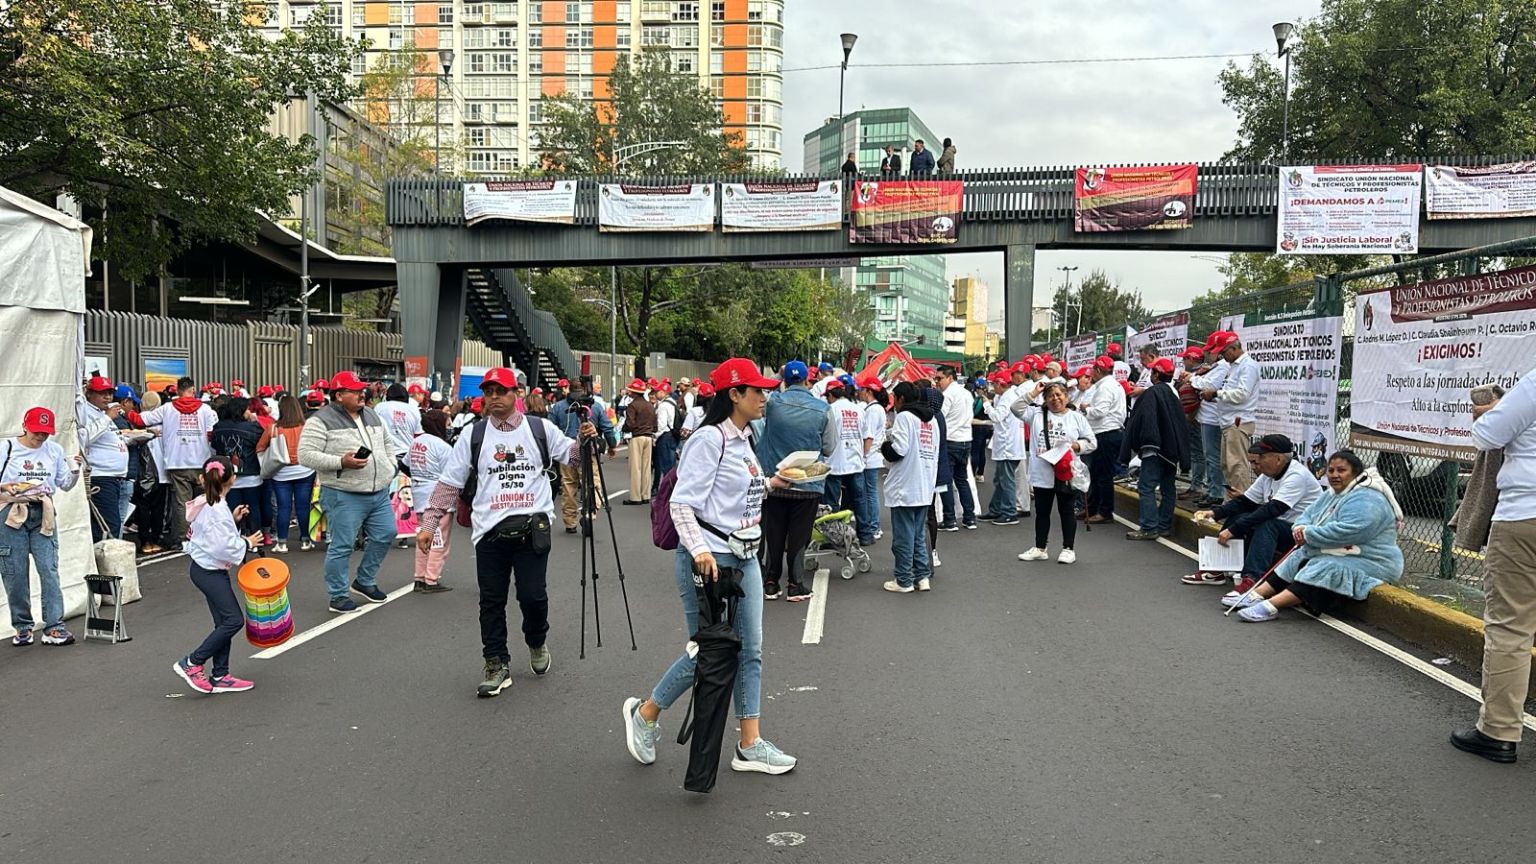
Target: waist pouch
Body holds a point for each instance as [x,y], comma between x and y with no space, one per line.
[523,529]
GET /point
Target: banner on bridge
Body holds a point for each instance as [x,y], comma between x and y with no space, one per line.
[1420,349]
[1491,192]
[1134,199]
[682,207]
[1349,209]
[552,201]
[923,212]
[1298,356]
[1169,333]
[782,206]
[1080,350]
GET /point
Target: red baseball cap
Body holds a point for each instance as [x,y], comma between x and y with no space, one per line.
[1222,339]
[414,389]
[1127,387]
[99,384]
[316,397]
[266,391]
[666,386]
[706,389]
[565,382]
[636,386]
[500,376]
[40,420]
[1104,362]
[869,382]
[347,381]
[740,372]
[537,390]
[1163,365]
[1002,364]
[321,384]
[1019,368]
[653,384]
[1045,358]
[477,404]
[236,382]
[1113,348]
[1082,372]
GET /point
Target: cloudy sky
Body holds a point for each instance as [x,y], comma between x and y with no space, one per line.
[1164,111]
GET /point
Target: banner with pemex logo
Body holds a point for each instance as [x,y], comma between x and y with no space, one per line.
[1153,198]
[906,211]
[1349,209]
[681,207]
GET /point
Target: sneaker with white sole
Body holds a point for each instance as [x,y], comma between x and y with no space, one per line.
[496,678]
[924,585]
[936,561]
[639,736]
[22,638]
[1259,612]
[1034,554]
[763,757]
[193,674]
[1203,578]
[230,684]
[1240,599]
[1067,556]
[539,660]
[280,548]
[895,587]
[58,636]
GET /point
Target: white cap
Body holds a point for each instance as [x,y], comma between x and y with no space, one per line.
[435,396]
[684,381]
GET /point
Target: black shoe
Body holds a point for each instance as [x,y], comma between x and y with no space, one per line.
[372,592]
[432,588]
[629,503]
[1472,740]
[1142,535]
[797,593]
[1167,535]
[770,590]
[343,604]
[948,526]
[971,525]
[570,529]
[497,678]
[1006,520]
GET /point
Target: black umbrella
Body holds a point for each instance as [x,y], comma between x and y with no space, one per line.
[714,678]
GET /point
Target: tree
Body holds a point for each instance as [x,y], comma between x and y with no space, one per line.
[648,102]
[160,113]
[1392,79]
[1104,305]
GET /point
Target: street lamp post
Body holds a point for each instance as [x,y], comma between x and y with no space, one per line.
[1066,299]
[445,68]
[1283,32]
[848,40]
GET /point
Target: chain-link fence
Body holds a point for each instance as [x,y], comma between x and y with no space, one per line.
[1429,490]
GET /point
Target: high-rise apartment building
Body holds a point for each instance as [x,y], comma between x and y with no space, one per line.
[909,292]
[508,56]
[965,329]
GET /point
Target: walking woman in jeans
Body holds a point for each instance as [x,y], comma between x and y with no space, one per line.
[293,484]
[720,490]
[1050,428]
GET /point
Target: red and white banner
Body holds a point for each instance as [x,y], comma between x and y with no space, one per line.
[1153,198]
[682,207]
[1169,333]
[906,211]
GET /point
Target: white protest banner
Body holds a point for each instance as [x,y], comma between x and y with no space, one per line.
[1349,209]
[812,205]
[1080,350]
[683,207]
[1491,192]
[1298,357]
[1420,349]
[551,201]
[1169,333]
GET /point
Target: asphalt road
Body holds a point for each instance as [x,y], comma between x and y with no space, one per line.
[1095,713]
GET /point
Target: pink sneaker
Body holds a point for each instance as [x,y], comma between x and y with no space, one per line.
[194,675]
[230,684]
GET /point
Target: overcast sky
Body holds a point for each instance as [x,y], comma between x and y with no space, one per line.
[1003,116]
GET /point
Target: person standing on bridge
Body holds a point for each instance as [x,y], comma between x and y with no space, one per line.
[850,168]
[640,424]
[1509,620]
[947,158]
[890,165]
[922,160]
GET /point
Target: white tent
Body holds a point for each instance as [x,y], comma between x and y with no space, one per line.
[44,259]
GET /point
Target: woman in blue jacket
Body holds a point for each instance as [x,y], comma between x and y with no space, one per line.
[1346,544]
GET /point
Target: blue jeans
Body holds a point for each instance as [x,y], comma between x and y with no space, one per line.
[749,626]
[846,492]
[1215,481]
[959,455]
[124,500]
[1004,490]
[1196,459]
[227,619]
[1264,544]
[293,499]
[16,544]
[1157,473]
[345,513]
[108,499]
[663,456]
[872,500]
[909,543]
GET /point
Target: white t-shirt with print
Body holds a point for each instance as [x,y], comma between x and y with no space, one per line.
[184,437]
[720,478]
[848,456]
[429,454]
[511,479]
[105,450]
[874,429]
[1296,488]
[910,481]
[403,421]
[46,465]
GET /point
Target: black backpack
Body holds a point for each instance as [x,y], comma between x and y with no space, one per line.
[477,440]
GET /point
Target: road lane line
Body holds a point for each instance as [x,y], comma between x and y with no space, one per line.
[340,619]
[1429,669]
[816,617]
[618,493]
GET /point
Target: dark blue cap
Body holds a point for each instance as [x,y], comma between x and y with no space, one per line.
[123,391]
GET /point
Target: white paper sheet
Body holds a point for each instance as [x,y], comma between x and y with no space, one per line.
[1054,454]
[1216,558]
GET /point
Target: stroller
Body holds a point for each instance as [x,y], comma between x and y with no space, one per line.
[833,535]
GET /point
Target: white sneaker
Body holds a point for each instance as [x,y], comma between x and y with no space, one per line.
[280,548]
[1036,554]
[924,585]
[936,561]
[1067,556]
[895,587]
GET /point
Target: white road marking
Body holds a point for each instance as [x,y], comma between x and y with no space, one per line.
[618,493]
[340,619]
[816,617]
[1468,690]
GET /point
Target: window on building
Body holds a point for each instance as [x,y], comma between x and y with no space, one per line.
[479,62]
[396,14]
[360,64]
[716,63]
[333,14]
[505,37]
[504,62]
[717,86]
[775,139]
[584,88]
[473,111]
[536,12]
[685,11]
[717,10]
[650,35]
[536,37]
[396,40]
[773,62]
[358,13]
[474,37]
[410,13]
[536,111]
[297,15]
[685,37]
[474,13]
[754,61]
[444,11]
[775,37]
[621,38]
[580,37]
[754,112]
[773,89]
[717,36]
[683,62]
[508,11]
[754,34]
[583,64]
[623,16]
[755,10]
[754,88]
[536,64]
[445,36]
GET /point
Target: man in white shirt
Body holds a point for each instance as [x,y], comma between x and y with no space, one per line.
[106,454]
[1104,409]
[957,417]
[1007,451]
[185,423]
[1122,368]
[1209,417]
[1263,515]
[825,375]
[1238,398]
[1509,619]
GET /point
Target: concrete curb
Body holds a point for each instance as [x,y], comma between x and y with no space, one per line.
[1445,631]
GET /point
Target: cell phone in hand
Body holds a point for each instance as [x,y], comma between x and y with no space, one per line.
[362,453]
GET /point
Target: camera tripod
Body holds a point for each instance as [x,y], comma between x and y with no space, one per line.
[590,502]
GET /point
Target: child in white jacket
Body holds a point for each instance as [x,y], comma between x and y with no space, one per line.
[216,547]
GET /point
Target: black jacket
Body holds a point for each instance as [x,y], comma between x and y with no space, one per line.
[237,439]
[1157,421]
[891,164]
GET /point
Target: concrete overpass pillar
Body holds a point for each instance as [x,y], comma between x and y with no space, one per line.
[1018,297]
[432,314]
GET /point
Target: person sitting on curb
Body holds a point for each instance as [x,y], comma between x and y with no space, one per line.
[1263,515]
[1345,545]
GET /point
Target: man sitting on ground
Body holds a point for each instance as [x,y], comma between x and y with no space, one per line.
[1263,515]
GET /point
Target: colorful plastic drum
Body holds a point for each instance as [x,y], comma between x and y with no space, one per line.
[268,615]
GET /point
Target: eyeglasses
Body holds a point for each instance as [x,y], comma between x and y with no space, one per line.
[494,390]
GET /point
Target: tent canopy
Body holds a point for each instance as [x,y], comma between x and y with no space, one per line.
[44,255]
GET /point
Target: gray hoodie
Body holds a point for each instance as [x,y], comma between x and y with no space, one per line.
[332,433]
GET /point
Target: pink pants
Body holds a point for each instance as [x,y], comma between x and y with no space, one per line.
[429,565]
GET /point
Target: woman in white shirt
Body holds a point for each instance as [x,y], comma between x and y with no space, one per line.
[1050,429]
[33,469]
[428,454]
[719,492]
[872,395]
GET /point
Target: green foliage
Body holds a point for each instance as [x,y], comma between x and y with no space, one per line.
[1394,78]
[1104,305]
[159,111]
[648,102]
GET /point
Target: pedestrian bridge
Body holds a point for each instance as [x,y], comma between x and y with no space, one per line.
[1015,211]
